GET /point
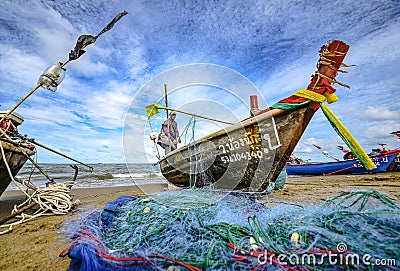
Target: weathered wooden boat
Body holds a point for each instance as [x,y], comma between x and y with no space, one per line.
[16,151]
[383,161]
[251,154]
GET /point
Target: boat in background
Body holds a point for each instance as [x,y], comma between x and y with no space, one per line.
[385,161]
[16,150]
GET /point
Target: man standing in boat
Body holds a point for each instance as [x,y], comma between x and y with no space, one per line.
[169,139]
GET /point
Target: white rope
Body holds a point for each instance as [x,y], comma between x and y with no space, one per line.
[53,199]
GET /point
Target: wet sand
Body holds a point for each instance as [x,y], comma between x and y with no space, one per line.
[36,244]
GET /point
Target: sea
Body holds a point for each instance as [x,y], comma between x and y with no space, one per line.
[104,175]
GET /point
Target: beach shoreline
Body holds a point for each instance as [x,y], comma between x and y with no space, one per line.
[15,197]
[36,244]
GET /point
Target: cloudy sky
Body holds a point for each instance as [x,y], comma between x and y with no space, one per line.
[274,44]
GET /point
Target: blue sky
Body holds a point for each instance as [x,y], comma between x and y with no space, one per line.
[272,43]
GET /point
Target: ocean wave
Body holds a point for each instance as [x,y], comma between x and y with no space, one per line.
[104,175]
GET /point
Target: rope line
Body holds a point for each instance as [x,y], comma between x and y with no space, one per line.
[53,199]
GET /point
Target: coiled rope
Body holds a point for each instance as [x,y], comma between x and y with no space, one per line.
[55,199]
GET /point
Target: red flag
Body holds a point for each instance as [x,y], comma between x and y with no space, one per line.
[342,149]
[318,147]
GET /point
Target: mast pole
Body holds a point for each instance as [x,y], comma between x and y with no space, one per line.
[166,110]
[20,102]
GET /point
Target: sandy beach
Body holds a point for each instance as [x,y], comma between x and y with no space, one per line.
[35,245]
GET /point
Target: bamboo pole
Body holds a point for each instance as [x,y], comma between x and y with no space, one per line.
[27,156]
[166,99]
[47,148]
[20,102]
[59,153]
[195,115]
[166,110]
[28,94]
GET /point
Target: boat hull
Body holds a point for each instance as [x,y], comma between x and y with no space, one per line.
[383,163]
[15,160]
[251,154]
[247,156]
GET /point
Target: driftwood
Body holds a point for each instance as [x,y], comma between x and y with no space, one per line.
[20,211]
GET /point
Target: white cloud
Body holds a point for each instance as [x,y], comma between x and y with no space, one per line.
[379,113]
[106,107]
[274,44]
[20,68]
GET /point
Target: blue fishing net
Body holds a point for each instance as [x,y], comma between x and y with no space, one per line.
[207,230]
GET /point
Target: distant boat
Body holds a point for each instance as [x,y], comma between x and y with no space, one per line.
[384,162]
[240,156]
[16,150]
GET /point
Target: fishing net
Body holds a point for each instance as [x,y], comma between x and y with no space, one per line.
[204,230]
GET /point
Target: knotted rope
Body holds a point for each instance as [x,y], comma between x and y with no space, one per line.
[53,199]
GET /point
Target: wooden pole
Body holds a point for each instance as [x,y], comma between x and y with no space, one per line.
[59,153]
[20,102]
[166,110]
[195,115]
[29,185]
[166,99]
[27,95]
[27,156]
[20,211]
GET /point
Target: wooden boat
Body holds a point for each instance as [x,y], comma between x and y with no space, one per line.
[383,161]
[16,151]
[251,154]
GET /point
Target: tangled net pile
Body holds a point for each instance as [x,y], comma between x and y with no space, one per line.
[204,230]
